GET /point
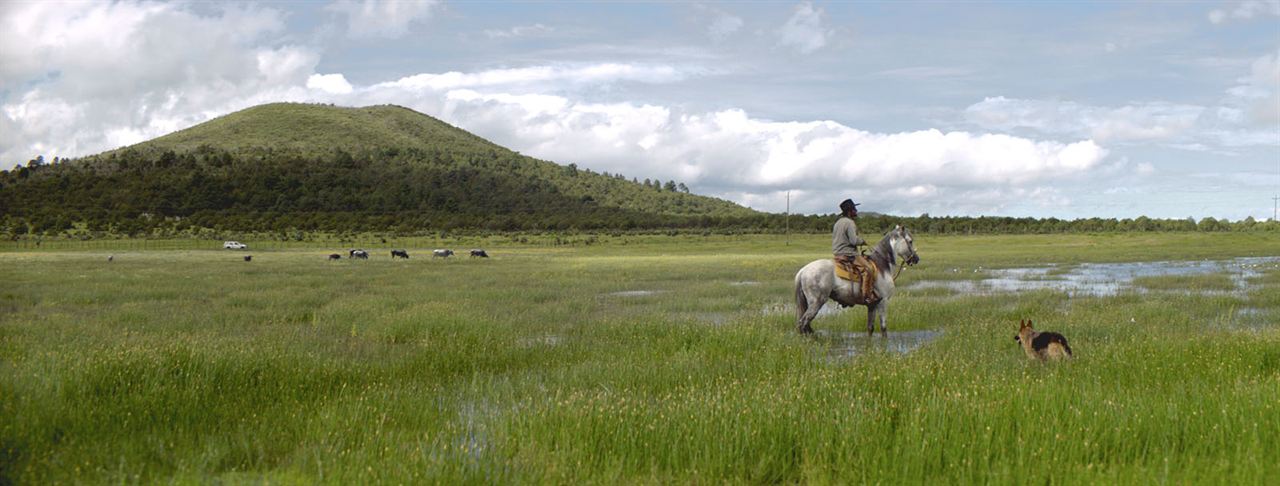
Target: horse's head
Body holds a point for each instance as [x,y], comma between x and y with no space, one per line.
[904,244]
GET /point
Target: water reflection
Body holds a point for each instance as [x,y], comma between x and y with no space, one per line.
[1101,279]
[844,345]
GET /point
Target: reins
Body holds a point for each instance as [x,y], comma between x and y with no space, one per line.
[893,257]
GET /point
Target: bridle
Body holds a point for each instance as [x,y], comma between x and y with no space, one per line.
[900,266]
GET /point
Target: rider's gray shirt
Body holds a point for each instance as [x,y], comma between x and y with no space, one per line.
[844,239]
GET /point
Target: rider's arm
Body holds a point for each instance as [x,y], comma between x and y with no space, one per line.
[852,235]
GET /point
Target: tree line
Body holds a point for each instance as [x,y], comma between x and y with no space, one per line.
[415,191]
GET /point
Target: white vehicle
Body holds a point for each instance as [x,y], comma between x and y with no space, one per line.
[234,245]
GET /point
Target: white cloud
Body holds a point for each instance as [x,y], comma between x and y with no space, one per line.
[1192,147]
[1145,168]
[125,71]
[732,154]
[329,83]
[1247,117]
[924,72]
[1259,92]
[519,31]
[724,26]
[721,25]
[382,18]
[1246,10]
[540,76]
[804,31]
[1248,114]
[1148,121]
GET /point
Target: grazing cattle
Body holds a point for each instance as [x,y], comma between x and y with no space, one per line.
[248,258]
[479,253]
[111,258]
[334,256]
[361,254]
[400,253]
[441,253]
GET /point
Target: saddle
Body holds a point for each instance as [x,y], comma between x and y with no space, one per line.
[859,269]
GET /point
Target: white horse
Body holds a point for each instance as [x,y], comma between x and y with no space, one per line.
[817,282]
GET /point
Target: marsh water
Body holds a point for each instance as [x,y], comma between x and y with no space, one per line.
[1099,279]
[1086,279]
[841,345]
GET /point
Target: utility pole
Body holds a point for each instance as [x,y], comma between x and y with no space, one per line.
[787,219]
[1275,204]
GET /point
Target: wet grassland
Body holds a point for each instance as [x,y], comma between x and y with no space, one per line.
[665,359]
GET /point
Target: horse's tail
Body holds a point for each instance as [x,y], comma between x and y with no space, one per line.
[802,303]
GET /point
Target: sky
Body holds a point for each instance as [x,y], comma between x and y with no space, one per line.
[1067,109]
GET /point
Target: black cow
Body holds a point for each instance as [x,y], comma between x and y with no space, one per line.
[479,253]
[334,256]
[400,253]
[248,258]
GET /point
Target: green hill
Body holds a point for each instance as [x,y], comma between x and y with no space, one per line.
[307,166]
[318,129]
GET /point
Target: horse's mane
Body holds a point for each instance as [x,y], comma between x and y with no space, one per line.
[882,253]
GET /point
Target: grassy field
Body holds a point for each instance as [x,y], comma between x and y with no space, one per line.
[643,360]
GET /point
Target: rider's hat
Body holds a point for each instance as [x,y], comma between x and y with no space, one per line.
[848,204]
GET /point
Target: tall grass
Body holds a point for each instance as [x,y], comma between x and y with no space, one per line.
[659,360]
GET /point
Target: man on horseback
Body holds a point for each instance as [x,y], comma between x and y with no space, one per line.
[844,245]
[871,281]
[845,239]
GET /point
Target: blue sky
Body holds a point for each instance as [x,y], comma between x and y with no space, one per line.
[1063,109]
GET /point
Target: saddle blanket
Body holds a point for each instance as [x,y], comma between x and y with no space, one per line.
[861,266]
[868,267]
[844,273]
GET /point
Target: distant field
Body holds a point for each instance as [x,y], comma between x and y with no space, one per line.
[638,359]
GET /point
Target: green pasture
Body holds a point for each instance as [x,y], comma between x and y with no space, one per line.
[629,360]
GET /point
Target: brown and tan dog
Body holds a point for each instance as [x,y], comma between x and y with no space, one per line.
[1041,345]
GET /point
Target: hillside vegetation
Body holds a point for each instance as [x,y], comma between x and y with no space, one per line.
[322,167]
[316,130]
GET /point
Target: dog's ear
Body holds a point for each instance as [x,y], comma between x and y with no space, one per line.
[1028,322]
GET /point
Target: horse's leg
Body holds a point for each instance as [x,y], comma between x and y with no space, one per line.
[882,308]
[815,301]
[876,311]
[871,319]
[802,306]
[815,305]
